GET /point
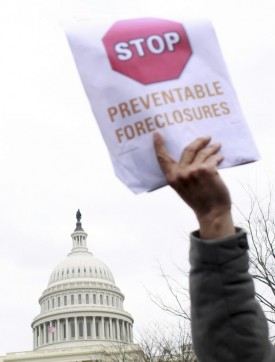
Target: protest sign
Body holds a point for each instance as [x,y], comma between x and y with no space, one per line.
[146,75]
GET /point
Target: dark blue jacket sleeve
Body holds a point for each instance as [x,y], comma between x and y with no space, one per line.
[228,324]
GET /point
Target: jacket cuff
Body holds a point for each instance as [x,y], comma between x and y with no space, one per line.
[217,251]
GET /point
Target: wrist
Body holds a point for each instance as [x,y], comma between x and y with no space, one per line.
[216,225]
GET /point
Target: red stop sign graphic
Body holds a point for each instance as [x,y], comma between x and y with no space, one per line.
[147,50]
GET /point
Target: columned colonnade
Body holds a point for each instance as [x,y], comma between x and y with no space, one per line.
[82,328]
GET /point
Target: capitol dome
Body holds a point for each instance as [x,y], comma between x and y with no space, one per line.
[80,265]
[81,305]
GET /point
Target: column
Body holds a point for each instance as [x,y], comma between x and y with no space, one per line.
[120,323]
[117,330]
[131,332]
[93,328]
[129,329]
[102,329]
[58,331]
[75,328]
[36,335]
[127,332]
[111,329]
[67,329]
[47,333]
[44,333]
[106,326]
[84,327]
[55,333]
[33,334]
[40,335]
[123,330]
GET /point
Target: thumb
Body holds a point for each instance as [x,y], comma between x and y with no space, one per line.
[165,161]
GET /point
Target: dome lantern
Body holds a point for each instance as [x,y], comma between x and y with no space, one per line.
[79,236]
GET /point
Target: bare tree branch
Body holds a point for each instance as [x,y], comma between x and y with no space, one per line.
[179,306]
[261,227]
[163,344]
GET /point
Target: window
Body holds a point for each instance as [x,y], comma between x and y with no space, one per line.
[58,301]
[101,299]
[79,299]
[65,299]
[72,299]
[107,300]
[113,304]
[94,298]
[87,298]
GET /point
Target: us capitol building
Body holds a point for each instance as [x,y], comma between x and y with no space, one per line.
[81,313]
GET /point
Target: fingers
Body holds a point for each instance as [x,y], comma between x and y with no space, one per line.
[209,166]
[165,160]
[191,151]
[218,159]
[206,153]
[215,160]
[197,153]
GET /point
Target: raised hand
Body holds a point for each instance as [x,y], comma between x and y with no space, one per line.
[196,179]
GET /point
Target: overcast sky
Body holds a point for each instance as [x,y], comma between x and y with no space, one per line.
[54,161]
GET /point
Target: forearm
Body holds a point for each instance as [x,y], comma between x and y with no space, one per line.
[227,323]
[216,225]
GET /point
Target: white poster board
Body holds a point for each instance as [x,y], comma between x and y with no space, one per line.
[147,75]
